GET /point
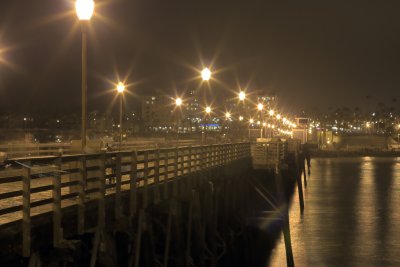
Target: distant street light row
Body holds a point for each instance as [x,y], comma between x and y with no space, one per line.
[84,11]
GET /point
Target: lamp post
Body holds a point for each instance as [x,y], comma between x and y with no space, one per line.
[242,96]
[251,121]
[260,108]
[227,118]
[206,74]
[208,112]
[271,113]
[84,11]
[120,90]
[178,103]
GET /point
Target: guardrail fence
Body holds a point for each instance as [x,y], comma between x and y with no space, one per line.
[49,184]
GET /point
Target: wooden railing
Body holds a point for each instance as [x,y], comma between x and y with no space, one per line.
[49,184]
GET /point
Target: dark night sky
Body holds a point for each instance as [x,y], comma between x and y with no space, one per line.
[312,53]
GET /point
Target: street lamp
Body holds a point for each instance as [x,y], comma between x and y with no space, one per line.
[178,103]
[208,112]
[240,118]
[84,11]
[271,113]
[242,96]
[260,108]
[251,121]
[206,74]
[120,90]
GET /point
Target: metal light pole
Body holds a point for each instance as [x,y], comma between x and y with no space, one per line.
[178,103]
[84,11]
[208,112]
[250,123]
[260,108]
[120,89]
[271,114]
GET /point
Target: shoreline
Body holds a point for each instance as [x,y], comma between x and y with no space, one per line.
[335,154]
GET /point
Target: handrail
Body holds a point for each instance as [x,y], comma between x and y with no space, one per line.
[48,184]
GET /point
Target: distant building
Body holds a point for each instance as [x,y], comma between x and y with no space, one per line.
[157,112]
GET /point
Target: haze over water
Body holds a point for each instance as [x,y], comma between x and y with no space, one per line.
[351,217]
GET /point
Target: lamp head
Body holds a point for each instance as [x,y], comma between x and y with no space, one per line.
[84,9]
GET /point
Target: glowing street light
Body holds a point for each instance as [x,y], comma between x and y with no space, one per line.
[208,110]
[278,117]
[241,118]
[251,121]
[178,101]
[84,11]
[120,87]
[227,115]
[260,106]
[271,112]
[206,74]
[242,96]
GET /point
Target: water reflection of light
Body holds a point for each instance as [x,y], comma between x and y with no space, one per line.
[365,209]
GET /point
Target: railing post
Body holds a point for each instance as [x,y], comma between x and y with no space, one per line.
[190,160]
[202,163]
[189,182]
[118,176]
[132,186]
[102,191]
[57,215]
[157,176]
[219,158]
[81,195]
[26,211]
[146,181]
[166,170]
[175,180]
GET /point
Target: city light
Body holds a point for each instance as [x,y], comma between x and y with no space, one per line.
[206,74]
[260,106]
[120,87]
[242,96]
[278,117]
[241,118]
[208,110]
[178,101]
[271,112]
[84,9]
[251,121]
[227,115]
